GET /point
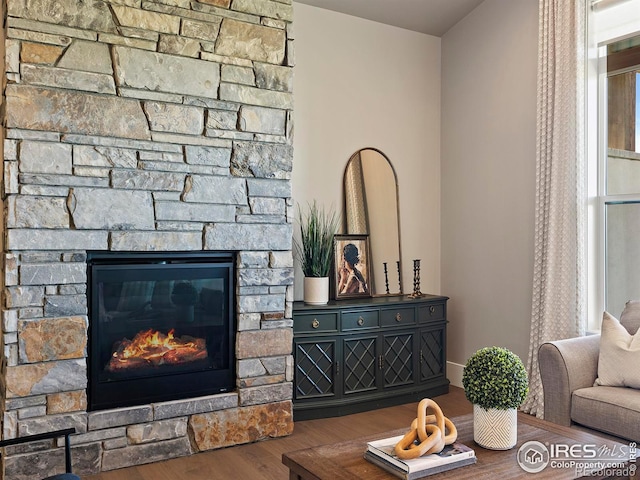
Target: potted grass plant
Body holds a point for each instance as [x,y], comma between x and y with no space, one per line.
[495,382]
[314,250]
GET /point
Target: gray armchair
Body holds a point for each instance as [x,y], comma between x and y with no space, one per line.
[569,368]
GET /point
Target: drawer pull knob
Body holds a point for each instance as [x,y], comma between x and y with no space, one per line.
[432,309]
[315,323]
[398,317]
[360,321]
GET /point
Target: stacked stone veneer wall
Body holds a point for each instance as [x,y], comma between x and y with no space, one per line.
[142,126]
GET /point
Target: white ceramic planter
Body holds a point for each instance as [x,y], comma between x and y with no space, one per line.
[316,290]
[495,429]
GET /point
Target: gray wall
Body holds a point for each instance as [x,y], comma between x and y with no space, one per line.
[488,177]
[362,84]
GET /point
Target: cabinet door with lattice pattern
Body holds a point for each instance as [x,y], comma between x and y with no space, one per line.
[397,359]
[432,353]
[315,368]
[360,364]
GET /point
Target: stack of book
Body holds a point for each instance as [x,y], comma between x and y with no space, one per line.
[381,453]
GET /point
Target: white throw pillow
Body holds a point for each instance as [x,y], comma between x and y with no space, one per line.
[619,355]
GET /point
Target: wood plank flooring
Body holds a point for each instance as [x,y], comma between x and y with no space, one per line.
[263,460]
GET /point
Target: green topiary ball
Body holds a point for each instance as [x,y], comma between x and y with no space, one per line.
[495,377]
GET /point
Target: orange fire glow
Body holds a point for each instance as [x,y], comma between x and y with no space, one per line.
[153,348]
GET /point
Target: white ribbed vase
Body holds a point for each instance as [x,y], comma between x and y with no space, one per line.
[495,429]
[316,290]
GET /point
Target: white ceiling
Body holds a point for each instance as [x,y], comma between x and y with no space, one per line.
[433,17]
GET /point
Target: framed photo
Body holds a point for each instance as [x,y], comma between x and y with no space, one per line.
[351,266]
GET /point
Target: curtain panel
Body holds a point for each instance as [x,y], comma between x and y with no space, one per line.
[559,282]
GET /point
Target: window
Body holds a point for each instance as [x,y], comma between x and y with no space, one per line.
[613,202]
[620,175]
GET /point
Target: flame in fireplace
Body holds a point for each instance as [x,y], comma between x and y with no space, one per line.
[154,348]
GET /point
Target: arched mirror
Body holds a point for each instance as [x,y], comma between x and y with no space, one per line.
[372,208]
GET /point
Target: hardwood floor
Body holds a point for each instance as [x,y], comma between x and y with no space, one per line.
[263,460]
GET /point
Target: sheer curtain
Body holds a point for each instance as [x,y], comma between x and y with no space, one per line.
[558,306]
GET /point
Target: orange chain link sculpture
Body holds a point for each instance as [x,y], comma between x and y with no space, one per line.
[430,430]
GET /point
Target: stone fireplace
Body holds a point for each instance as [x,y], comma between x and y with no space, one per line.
[151,128]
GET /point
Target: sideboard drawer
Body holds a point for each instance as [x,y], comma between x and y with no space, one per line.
[361,319]
[432,313]
[315,322]
[397,317]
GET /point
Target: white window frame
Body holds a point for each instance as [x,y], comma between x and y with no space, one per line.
[610,21]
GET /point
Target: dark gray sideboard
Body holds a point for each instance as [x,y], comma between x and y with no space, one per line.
[357,355]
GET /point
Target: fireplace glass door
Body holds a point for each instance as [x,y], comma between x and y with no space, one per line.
[161,327]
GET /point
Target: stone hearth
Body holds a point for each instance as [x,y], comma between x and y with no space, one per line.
[143,126]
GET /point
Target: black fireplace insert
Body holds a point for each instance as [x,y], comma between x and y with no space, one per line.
[161,326]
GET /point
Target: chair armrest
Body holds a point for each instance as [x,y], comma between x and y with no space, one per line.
[38,436]
[45,436]
[565,366]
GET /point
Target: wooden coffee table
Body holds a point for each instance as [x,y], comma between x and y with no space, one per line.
[345,460]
